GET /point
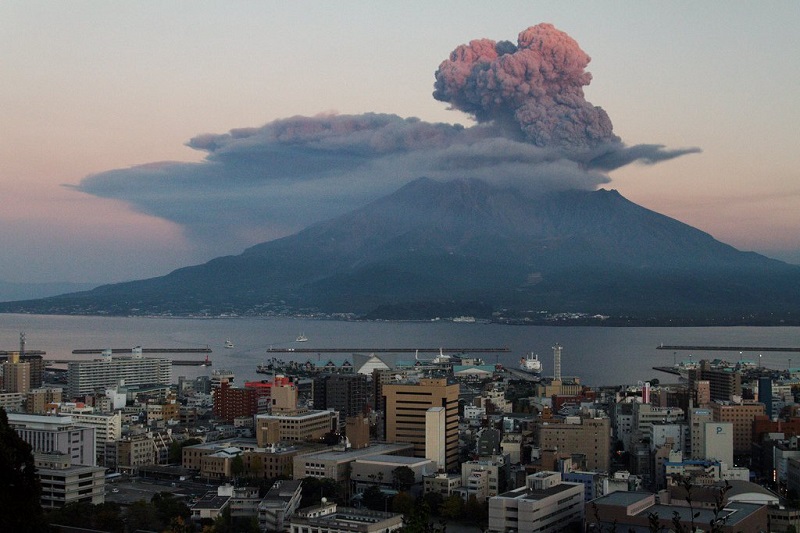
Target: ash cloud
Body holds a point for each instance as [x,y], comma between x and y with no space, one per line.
[535,131]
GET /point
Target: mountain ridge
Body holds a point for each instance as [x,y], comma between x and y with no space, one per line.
[466,244]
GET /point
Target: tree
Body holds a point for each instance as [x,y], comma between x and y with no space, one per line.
[452,507]
[403,478]
[374,498]
[20,489]
[237,466]
[403,503]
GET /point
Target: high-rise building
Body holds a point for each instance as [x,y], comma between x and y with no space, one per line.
[16,374]
[346,393]
[724,383]
[85,377]
[406,414]
[231,402]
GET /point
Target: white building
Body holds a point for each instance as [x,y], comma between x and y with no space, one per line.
[544,504]
[326,518]
[48,434]
[86,377]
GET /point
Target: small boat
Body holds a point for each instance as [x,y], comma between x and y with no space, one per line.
[301,338]
[228,344]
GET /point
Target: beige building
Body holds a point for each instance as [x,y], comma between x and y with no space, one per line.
[590,437]
[741,415]
[406,413]
[325,518]
[16,375]
[336,464]
[37,400]
[298,426]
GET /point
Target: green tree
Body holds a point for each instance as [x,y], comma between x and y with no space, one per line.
[142,515]
[19,489]
[403,478]
[237,466]
[374,498]
[403,503]
[452,507]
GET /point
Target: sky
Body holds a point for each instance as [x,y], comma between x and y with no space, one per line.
[140,137]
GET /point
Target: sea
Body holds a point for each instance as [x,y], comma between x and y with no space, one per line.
[597,355]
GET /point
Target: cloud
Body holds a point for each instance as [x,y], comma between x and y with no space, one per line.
[535,132]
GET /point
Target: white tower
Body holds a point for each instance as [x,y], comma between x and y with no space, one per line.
[557,362]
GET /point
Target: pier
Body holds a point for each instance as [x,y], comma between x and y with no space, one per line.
[677,347]
[98,351]
[387,350]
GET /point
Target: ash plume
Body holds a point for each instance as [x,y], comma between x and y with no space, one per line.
[535,133]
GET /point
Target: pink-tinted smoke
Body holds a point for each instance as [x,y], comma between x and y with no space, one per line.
[533,90]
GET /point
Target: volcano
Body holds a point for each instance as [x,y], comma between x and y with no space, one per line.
[466,247]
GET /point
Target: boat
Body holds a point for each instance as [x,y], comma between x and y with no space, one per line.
[228,344]
[301,338]
[530,364]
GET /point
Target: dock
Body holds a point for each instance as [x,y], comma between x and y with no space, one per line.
[667,369]
[388,350]
[696,348]
[98,351]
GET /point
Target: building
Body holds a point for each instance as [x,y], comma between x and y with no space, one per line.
[85,377]
[232,402]
[298,426]
[16,374]
[632,511]
[37,400]
[337,464]
[279,504]
[496,470]
[441,483]
[406,419]
[544,504]
[725,383]
[379,470]
[64,483]
[327,518]
[741,415]
[590,437]
[34,358]
[212,503]
[345,393]
[47,434]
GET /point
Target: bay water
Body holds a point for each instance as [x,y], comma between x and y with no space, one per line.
[598,355]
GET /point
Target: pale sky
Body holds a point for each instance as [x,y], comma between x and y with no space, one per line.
[92,87]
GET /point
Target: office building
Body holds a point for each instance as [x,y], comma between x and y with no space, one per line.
[64,483]
[16,374]
[47,434]
[741,415]
[345,393]
[544,504]
[590,437]
[406,417]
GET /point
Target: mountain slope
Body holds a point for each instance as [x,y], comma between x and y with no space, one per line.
[464,242]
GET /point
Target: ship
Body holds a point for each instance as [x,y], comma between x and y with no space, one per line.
[229,344]
[301,338]
[530,364]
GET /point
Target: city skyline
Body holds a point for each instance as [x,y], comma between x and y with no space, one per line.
[94,88]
